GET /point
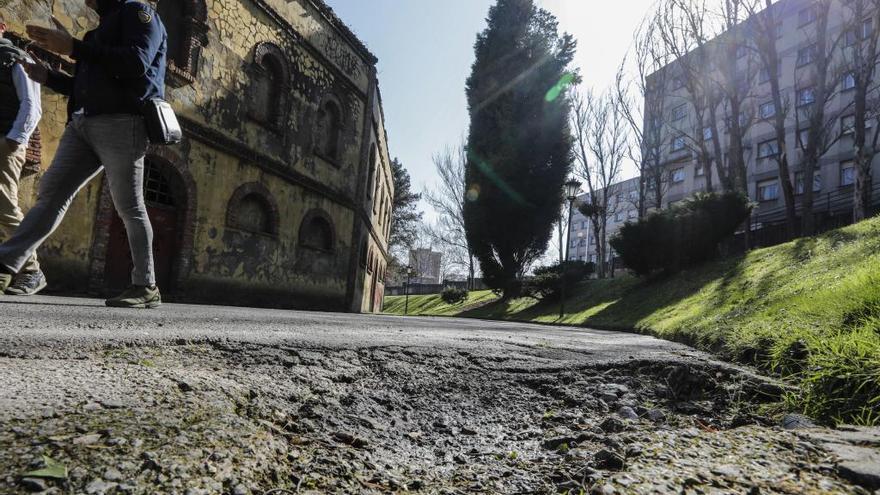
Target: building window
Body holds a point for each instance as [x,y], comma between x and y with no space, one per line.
[699,171]
[768,190]
[803,137]
[799,182]
[316,232]
[618,217]
[372,175]
[365,251]
[678,143]
[768,148]
[187,30]
[707,134]
[806,96]
[269,86]
[847,173]
[677,175]
[806,55]
[157,188]
[679,112]
[848,124]
[807,15]
[767,110]
[862,32]
[253,215]
[677,83]
[764,73]
[329,130]
[253,209]
[849,81]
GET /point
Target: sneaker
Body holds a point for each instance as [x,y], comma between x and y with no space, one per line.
[137,296]
[5,281]
[27,284]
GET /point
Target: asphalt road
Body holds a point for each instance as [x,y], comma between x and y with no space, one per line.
[208,399]
[59,327]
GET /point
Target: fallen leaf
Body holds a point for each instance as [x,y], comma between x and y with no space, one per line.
[53,469]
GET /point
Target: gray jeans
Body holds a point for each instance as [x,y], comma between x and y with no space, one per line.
[116,143]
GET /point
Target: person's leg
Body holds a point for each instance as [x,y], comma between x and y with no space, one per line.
[121,143]
[73,166]
[30,280]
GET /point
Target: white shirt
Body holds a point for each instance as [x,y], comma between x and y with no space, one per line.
[30,108]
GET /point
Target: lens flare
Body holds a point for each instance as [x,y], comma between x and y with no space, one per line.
[564,82]
[473,193]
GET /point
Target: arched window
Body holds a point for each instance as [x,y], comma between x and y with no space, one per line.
[365,247]
[253,209]
[269,86]
[186,24]
[157,187]
[372,174]
[253,215]
[329,130]
[316,232]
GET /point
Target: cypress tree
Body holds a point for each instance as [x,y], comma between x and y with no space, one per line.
[519,144]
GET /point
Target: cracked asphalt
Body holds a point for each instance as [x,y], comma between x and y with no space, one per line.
[203,399]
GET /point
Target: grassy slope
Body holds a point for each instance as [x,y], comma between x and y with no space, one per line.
[432,305]
[809,310]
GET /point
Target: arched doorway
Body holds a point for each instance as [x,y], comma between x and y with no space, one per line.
[166,199]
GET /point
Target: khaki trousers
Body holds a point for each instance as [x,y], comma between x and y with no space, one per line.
[10,214]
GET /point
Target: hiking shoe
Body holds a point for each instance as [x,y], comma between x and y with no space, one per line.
[5,281]
[27,284]
[138,297]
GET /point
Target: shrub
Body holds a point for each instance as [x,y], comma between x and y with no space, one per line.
[454,295]
[544,284]
[683,235]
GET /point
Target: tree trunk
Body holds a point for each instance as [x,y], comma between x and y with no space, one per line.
[863,186]
[600,251]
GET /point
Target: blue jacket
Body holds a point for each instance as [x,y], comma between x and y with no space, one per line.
[120,65]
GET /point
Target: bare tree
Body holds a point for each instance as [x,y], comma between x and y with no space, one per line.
[448,202]
[766,31]
[813,94]
[643,104]
[601,147]
[860,57]
[681,29]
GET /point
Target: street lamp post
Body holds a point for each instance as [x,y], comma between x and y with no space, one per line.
[409,274]
[571,189]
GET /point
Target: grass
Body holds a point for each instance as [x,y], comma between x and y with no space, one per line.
[432,305]
[808,310]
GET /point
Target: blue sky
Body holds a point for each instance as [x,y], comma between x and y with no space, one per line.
[425,51]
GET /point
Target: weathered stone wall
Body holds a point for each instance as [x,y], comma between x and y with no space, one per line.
[225,148]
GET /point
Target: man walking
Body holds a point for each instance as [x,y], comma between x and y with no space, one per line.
[119,66]
[20,111]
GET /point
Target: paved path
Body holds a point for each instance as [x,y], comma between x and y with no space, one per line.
[54,326]
[204,399]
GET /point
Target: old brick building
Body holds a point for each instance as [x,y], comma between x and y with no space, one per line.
[280,194]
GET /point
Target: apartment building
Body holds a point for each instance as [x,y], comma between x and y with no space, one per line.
[582,242]
[796,33]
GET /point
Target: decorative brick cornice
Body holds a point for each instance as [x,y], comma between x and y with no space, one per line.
[267,163]
[297,38]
